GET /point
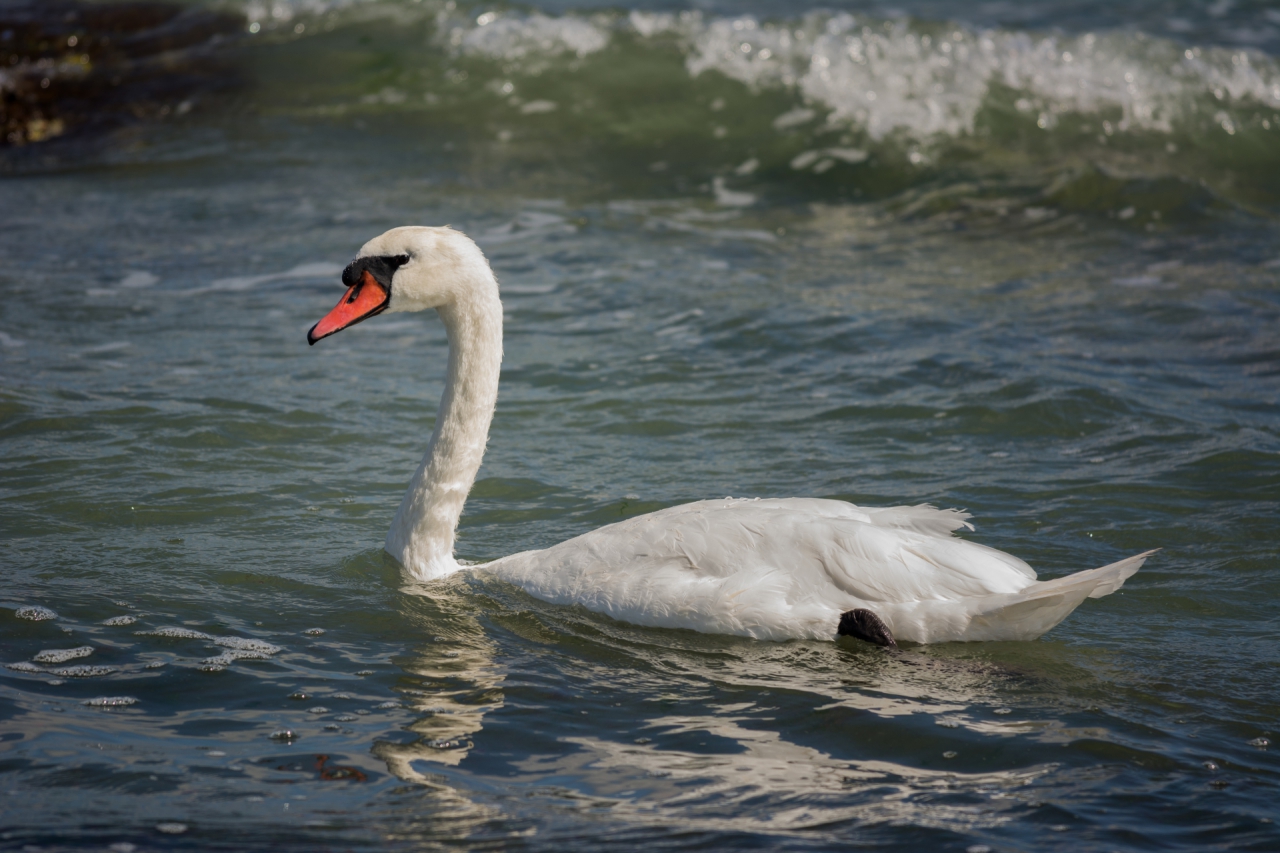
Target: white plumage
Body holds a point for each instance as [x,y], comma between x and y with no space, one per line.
[786,569]
[772,569]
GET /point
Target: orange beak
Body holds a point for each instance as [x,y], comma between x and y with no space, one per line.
[364,299]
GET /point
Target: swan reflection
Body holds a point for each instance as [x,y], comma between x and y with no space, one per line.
[754,774]
[459,683]
[801,787]
[733,730]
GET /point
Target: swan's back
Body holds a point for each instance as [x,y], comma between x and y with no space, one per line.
[787,569]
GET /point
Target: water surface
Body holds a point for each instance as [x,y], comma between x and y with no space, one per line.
[1012,282]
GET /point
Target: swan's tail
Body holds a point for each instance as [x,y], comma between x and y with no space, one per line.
[1027,614]
[1042,605]
[1103,581]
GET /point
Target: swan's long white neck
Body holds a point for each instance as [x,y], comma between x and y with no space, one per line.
[421,536]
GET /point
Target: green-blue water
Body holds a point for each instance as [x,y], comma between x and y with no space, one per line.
[722,276]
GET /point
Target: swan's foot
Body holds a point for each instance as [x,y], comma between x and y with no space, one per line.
[866,625]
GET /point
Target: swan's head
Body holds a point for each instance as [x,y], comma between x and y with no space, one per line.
[407,269]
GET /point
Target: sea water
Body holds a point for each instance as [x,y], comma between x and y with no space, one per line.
[1020,259]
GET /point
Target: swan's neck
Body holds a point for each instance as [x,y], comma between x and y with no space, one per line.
[421,536]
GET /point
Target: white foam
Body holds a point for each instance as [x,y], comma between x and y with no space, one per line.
[883,79]
[83,671]
[794,118]
[281,12]
[514,37]
[174,633]
[35,613]
[139,279]
[230,656]
[245,644]
[10,342]
[240,648]
[62,655]
[23,666]
[650,24]
[110,702]
[120,620]
[726,197]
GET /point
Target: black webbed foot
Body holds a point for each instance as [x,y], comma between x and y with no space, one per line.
[866,625]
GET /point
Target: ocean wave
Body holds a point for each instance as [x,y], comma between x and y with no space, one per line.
[929,78]
[819,105]
[919,77]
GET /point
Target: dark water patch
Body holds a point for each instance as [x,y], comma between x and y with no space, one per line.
[105,777]
[74,71]
[874,413]
[1136,202]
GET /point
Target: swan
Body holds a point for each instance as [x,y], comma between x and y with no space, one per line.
[771,569]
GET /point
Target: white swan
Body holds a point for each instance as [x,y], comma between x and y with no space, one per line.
[770,569]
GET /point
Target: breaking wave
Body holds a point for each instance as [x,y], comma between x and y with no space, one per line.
[922,77]
[821,103]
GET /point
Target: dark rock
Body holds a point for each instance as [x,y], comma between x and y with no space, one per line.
[71,69]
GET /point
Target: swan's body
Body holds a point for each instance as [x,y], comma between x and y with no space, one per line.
[769,569]
[787,569]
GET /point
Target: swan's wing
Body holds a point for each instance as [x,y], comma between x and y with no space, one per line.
[765,568]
